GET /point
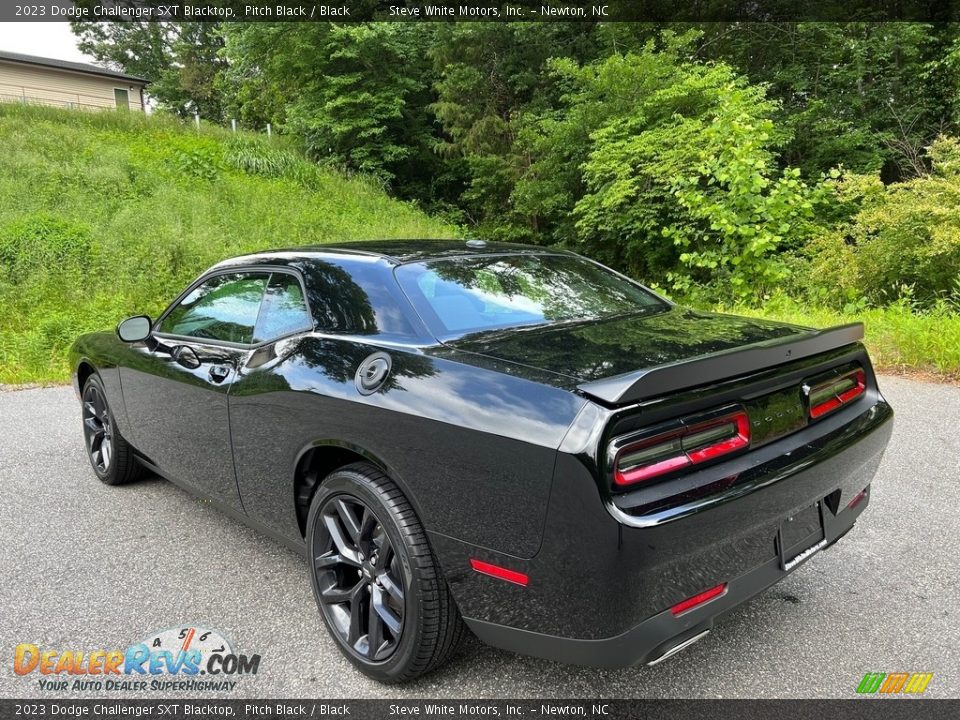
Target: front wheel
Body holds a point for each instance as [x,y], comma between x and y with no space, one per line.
[110,454]
[375,579]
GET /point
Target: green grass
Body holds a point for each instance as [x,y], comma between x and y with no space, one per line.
[899,340]
[103,215]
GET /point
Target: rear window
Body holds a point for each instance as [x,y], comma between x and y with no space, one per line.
[460,296]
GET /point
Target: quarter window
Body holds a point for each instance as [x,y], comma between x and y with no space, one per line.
[224,308]
[284,309]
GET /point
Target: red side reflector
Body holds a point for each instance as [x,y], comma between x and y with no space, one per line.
[499,572]
[699,599]
[857,499]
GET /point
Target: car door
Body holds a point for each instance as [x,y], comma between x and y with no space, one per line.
[176,388]
[263,411]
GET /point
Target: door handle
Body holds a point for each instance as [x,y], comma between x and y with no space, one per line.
[185,356]
[219,373]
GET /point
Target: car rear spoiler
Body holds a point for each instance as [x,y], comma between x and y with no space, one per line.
[661,379]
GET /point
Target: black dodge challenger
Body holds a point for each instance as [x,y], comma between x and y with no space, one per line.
[507,438]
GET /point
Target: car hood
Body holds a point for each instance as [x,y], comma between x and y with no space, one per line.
[594,350]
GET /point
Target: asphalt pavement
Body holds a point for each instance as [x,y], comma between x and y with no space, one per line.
[86,566]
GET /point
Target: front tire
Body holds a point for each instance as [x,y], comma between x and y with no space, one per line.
[110,455]
[377,584]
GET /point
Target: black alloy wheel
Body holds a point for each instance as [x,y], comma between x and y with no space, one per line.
[376,581]
[111,456]
[97,429]
[360,579]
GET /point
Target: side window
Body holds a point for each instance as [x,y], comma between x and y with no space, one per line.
[357,296]
[284,310]
[225,308]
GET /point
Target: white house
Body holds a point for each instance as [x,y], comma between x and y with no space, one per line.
[29,79]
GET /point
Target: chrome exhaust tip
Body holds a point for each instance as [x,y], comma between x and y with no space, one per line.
[678,647]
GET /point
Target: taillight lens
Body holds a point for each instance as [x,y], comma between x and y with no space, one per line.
[828,396]
[682,447]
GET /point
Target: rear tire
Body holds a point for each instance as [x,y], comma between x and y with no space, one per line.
[378,585]
[110,455]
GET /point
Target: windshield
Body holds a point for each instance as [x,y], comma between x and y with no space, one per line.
[459,296]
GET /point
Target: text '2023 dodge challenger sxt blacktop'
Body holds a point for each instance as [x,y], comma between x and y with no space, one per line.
[507,438]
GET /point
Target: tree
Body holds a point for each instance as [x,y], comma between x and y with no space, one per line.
[868,96]
[668,169]
[182,60]
[357,94]
[487,75]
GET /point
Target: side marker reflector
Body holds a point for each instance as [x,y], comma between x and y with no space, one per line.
[857,499]
[502,573]
[699,599]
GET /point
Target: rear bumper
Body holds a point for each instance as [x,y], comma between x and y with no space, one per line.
[656,637]
[602,584]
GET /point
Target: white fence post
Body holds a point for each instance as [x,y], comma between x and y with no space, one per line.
[233,124]
[196,120]
[269,133]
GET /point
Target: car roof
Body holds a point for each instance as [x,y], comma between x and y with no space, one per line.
[393,251]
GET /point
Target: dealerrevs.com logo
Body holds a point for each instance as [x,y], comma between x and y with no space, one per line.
[187,658]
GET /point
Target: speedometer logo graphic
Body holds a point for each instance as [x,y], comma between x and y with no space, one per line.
[197,638]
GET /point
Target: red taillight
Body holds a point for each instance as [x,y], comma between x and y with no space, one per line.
[828,396]
[699,599]
[499,572]
[679,448]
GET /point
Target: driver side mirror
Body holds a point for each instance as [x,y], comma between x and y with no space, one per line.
[134,329]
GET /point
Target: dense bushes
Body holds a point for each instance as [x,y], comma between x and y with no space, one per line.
[731,164]
[668,169]
[901,241]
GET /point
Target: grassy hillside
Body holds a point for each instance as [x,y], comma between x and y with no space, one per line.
[104,215]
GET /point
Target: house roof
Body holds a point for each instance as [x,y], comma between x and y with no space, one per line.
[70,66]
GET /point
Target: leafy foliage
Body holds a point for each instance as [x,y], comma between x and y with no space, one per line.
[182,60]
[901,243]
[487,77]
[354,93]
[668,168]
[672,155]
[198,162]
[868,96]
